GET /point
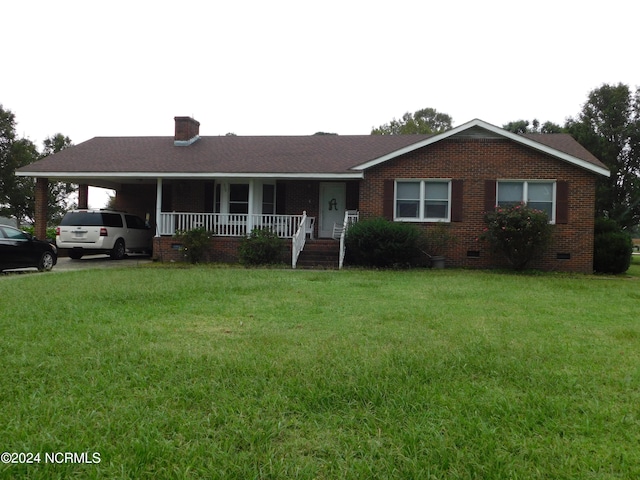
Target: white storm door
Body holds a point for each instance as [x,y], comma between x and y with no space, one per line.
[332,207]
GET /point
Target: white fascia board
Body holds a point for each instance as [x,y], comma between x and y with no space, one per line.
[492,128]
[184,175]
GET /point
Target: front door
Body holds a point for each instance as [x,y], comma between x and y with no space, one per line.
[332,207]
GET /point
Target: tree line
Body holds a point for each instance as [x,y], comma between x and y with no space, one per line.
[17,194]
[608,126]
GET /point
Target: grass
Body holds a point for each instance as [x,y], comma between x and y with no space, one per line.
[212,372]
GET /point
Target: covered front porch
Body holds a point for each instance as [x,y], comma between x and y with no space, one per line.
[230,208]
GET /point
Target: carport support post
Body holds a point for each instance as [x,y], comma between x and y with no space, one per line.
[83,196]
[42,190]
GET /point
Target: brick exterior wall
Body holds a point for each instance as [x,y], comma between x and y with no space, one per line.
[474,161]
[222,250]
[138,200]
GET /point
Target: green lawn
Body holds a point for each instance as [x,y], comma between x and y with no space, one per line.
[212,372]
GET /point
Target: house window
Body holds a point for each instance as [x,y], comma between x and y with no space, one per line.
[239,198]
[538,195]
[423,200]
[268,199]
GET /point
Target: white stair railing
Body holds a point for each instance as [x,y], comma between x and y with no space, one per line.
[298,240]
[350,217]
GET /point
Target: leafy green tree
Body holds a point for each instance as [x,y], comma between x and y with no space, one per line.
[609,127]
[427,120]
[58,192]
[524,126]
[16,193]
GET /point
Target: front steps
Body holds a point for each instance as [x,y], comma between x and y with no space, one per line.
[320,253]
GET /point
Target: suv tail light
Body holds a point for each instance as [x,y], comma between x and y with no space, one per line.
[57,231]
[103,232]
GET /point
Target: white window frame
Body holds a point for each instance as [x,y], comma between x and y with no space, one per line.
[255,194]
[421,212]
[525,193]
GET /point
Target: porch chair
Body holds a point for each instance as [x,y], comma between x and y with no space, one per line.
[338,228]
[337,231]
[309,226]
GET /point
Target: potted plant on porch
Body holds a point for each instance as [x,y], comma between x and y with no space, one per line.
[436,238]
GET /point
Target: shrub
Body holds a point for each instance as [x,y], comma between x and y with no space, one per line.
[51,232]
[612,247]
[381,243]
[195,244]
[261,247]
[517,231]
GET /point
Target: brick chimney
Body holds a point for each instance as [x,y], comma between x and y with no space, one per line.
[187,131]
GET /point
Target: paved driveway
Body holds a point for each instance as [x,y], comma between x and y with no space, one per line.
[66,264]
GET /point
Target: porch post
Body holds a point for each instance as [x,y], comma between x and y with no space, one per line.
[158,205]
[42,189]
[83,196]
[250,209]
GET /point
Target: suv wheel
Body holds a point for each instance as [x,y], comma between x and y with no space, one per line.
[118,251]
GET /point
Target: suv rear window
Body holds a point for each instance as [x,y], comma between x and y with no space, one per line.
[92,219]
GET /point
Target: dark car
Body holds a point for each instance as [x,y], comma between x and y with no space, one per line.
[19,249]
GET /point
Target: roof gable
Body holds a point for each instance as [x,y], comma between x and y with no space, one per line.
[561,146]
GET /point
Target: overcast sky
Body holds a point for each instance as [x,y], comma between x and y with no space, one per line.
[126,68]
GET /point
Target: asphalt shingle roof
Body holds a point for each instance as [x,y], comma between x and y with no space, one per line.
[233,154]
[315,154]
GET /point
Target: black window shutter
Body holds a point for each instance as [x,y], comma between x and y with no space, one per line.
[489,195]
[456,200]
[562,202]
[387,199]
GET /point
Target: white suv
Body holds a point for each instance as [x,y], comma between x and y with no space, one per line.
[84,232]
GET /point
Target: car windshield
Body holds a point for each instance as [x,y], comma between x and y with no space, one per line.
[92,219]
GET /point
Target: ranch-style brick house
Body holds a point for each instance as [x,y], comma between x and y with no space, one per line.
[305,186]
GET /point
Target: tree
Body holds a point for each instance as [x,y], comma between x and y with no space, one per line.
[16,193]
[522,126]
[58,192]
[427,120]
[609,127]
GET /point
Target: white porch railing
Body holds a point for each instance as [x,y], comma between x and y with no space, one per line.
[228,224]
[350,217]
